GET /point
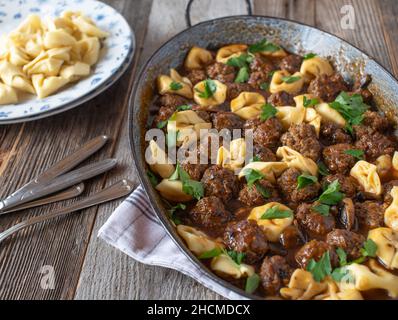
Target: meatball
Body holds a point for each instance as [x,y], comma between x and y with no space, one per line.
[164,114]
[361,87]
[315,250]
[336,158]
[221,72]
[287,183]
[265,133]
[262,192]
[302,138]
[235,89]
[227,120]
[220,182]
[387,187]
[275,274]
[373,143]
[281,99]
[291,63]
[210,214]
[314,224]
[348,185]
[263,154]
[376,121]
[331,133]
[247,237]
[195,170]
[349,241]
[259,71]
[327,88]
[173,100]
[290,237]
[196,75]
[370,214]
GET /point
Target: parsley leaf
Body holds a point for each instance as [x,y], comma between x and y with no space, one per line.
[252,283]
[342,273]
[172,211]
[323,170]
[241,62]
[211,253]
[369,248]
[267,111]
[305,179]
[290,79]
[175,86]
[263,191]
[355,153]
[309,56]
[252,175]
[342,256]
[320,269]
[310,102]
[243,75]
[210,88]
[264,86]
[162,124]
[263,46]
[322,209]
[184,107]
[332,194]
[152,178]
[193,188]
[236,256]
[255,159]
[276,213]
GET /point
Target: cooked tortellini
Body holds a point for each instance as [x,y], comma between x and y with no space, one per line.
[284,81]
[386,240]
[270,170]
[225,266]
[366,175]
[234,157]
[158,161]
[197,241]
[335,292]
[247,105]
[175,84]
[329,114]
[391,213]
[42,56]
[315,66]
[172,190]
[197,58]
[384,166]
[294,159]
[272,227]
[231,51]
[217,98]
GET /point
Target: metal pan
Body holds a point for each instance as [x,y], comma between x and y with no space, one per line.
[295,37]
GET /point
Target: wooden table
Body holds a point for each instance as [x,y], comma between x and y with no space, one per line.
[84,266]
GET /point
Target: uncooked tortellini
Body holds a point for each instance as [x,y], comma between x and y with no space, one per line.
[315,66]
[14,77]
[296,160]
[218,97]
[225,266]
[175,84]
[234,157]
[247,105]
[47,86]
[391,213]
[7,94]
[366,175]
[284,81]
[270,170]
[197,241]
[386,240]
[172,190]
[197,58]
[231,51]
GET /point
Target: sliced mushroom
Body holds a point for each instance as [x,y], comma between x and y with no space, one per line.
[347,214]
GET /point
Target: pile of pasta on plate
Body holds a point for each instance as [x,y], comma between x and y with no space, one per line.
[43,55]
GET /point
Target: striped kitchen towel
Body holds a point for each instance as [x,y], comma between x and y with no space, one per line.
[135,230]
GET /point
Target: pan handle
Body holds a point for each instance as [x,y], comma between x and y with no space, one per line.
[189,5]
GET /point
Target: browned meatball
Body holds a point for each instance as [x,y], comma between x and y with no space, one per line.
[302,138]
[373,143]
[315,250]
[336,158]
[331,133]
[281,99]
[265,133]
[196,75]
[387,187]
[164,114]
[376,121]
[259,71]
[227,120]
[327,88]
[220,182]
[173,100]
[275,274]
[314,224]
[361,87]
[259,194]
[287,183]
[195,171]
[210,214]
[263,154]
[349,241]
[348,184]
[290,237]
[235,89]
[247,237]
[221,72]
[370,214]
[291,63]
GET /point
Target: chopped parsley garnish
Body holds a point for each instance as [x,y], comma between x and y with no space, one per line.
[243,75]
[358,154]
[276,213]
[252,283]
[191,187]
[309,56]
[310,102]
[175,86]
[211,253]
[241,62]
[255,159]
[210,89]
[267,111]
[332,194]
[152,178]
[263,46]
[342,273]
[322,209]
[162,124]
[263,191]
[290,79]
[369,248]
[173,210]
[323,170]
[342,257]
[252,175]
[264,86]
[236,256]
[305,179]
[320,269]
[184,107]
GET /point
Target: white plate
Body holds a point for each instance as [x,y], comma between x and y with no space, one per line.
[116,55]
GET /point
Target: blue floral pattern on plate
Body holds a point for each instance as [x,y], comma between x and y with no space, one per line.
[116,54]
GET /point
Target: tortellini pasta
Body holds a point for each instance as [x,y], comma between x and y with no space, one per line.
[75,71]
[197,58]
[391,213]
[231,51]
[387,246]
[172,190]
[270,170]
[280,82]
[329,114]
[366,175]
[197,241]
[247,105]
[158,160]
[384,166]
[272,227]
[217,98]
[234,157]
[296,160]
[46,86]
[7,94]
[14,77]
[225,266]
[315,66]
[184,85]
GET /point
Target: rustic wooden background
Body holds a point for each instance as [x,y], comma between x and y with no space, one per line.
[85,267]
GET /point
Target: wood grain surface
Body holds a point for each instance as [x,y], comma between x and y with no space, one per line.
[85,267]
